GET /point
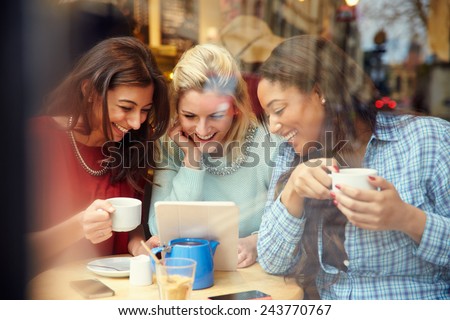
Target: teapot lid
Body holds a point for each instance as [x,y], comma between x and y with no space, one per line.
[188,242]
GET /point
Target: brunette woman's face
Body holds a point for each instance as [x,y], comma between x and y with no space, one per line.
[206,117]
[295,116]
[128,108]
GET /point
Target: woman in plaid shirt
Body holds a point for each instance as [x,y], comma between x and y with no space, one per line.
[392,243]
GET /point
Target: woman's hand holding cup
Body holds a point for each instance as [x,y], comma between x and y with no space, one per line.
[311,180]
[379,208]
[96,221]
[308,180]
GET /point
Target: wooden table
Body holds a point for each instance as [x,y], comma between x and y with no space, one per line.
[54,284]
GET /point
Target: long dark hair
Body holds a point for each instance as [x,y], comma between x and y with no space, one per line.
[111,63]
[312,63]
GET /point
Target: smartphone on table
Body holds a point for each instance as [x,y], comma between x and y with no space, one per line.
[244,295]
[92,288]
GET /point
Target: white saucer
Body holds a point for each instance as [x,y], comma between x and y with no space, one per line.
[103,267]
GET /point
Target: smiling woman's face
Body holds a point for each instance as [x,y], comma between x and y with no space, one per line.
[295,116]
[205,117]
[128,108]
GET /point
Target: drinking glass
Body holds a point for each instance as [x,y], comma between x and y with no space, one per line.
[175,277]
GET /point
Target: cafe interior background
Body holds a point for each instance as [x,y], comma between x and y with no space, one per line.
[404,45]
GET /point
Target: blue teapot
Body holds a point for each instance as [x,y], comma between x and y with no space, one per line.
[200,250]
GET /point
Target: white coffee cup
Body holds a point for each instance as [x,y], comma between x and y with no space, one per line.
[353,177]
[140,271]
[127,215]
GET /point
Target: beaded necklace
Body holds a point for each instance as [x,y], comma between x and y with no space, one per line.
[224,169]
[92,172]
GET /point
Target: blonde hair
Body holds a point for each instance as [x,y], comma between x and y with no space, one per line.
[209,67]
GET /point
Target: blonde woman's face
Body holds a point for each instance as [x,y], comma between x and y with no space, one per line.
[206,117]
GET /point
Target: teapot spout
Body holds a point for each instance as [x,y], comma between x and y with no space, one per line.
[213,244]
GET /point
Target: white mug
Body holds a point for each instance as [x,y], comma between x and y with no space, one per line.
[353,177]
[140,271]
[127,215]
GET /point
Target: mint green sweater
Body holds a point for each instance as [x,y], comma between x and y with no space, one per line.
[247,187]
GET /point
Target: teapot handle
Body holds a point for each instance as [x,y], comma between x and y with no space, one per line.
[157,250]
[164,248]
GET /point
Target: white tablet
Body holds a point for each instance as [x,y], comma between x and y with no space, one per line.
[211,220]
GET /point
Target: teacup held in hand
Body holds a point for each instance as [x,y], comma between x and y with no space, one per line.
[127,214]
[353,177]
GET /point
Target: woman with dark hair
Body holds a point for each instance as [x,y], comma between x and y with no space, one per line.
[389,243]
[95,141]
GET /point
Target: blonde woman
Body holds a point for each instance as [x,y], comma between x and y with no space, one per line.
[216,150]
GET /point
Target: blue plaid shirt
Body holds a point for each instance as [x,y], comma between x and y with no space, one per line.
[413,153]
